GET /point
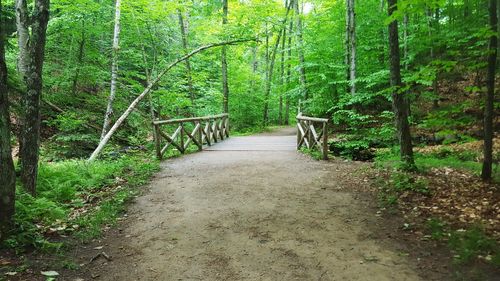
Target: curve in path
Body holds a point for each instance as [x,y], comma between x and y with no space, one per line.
[251,208]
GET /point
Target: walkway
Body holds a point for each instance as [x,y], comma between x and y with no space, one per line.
[251,208]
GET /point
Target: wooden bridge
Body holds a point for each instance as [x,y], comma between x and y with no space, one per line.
[204,132]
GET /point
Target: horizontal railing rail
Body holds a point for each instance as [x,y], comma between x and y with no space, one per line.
[313,133]
[196,130]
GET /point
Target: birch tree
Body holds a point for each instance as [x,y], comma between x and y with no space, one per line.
[114,70]
[31,57]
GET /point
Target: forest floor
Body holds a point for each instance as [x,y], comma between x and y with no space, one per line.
[252,208]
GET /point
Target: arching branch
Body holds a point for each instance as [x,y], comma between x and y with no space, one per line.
[148,89]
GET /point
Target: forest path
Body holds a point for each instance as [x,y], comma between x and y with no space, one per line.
[251,208]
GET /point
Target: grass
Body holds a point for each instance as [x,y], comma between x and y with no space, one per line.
[77,197]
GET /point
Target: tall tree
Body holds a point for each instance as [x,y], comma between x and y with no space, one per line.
[399,101]
[183,27]
[7,172]
[288,71]
[114,70]
[300,50]
[351,45]
[225,86]
[490,95]
[31,54]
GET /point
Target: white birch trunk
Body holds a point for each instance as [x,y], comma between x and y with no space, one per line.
[114,70]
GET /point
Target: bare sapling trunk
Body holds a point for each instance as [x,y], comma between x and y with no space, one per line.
[486,173]
[282,77]
[288,72]
[225,85]
[300,43]
[148,89]
[32,53]
[351,33]
[399,101]
[114,70]
[7,171]
[189,77]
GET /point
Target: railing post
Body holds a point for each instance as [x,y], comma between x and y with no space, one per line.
[227,126]
[198,135]
[157,138]
[310,136]
[299,134]
[182,138]
[325,140]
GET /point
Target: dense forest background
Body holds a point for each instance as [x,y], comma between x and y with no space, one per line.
[325,58]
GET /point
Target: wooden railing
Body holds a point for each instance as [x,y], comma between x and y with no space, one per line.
[313,133]
[198,130]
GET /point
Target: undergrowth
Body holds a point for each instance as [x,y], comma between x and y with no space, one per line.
[76,197]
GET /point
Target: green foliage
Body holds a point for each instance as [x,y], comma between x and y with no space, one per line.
[469,244]
[68,186]
[399,182]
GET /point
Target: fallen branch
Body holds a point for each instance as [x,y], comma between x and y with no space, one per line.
[148,89]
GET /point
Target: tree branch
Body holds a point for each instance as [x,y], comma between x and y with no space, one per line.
[148,89]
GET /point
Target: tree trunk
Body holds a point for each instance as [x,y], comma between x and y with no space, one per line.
[300,41]
[486,173]
[288,72]
[267,78]
[114,70]
[189,77]
[7,172]
[381,57]
[282,78]
[225,86]
[81,52]
[32,53]
[399,101]
[351,45]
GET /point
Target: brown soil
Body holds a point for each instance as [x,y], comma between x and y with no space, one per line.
[266,213]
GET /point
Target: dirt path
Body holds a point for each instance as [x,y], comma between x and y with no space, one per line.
[251,208]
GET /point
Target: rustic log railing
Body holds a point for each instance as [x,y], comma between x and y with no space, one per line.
[198,131]
[310,137]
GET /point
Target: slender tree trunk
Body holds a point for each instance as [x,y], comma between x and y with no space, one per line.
[267,78]
[300,43]
[432,25]
[399,101]
[288,73]
[351,34]
[381,57]
[81,52]
[490,95]
[187,62]
[32,53]
[114,70]
[225,86]
[282,78]
[7,172]
[406,25]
